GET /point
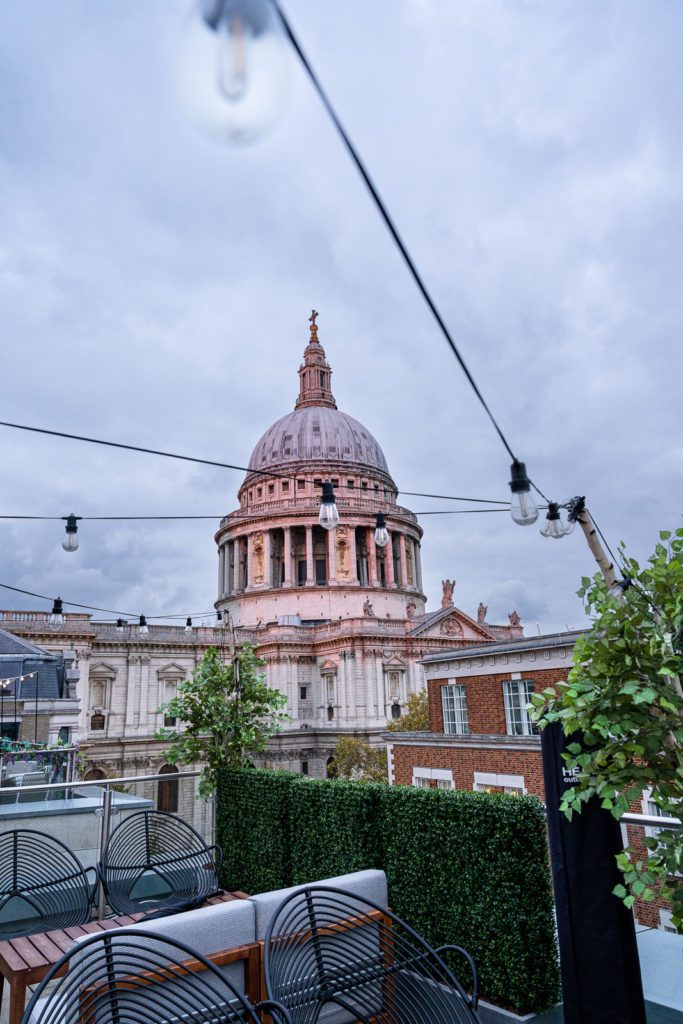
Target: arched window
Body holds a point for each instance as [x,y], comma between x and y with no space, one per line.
[330,768]
[167,793]
[94,773]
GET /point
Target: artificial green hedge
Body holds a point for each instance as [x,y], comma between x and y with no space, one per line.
[464,868]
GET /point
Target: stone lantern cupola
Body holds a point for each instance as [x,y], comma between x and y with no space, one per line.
[315,385]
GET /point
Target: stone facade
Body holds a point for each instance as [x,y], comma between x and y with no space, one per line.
[340,621]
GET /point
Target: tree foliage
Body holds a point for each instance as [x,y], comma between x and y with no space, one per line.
[356,760]
[624,696]
[224,724]
[415,716]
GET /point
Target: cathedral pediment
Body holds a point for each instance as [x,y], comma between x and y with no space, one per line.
[395,663]
[451,623]
[172,669]
[328,665]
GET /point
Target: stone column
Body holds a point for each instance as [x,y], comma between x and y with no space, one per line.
[389,561]
[331,555]
[229,579]
[372,558]
[267,561]
[404,566]
[288,556]
[418,566]
[221,570]
[352,554]
[236,565]
[310,568]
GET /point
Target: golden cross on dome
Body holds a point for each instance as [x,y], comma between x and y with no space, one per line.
[312,318]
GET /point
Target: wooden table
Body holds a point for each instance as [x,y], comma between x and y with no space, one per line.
[26,960]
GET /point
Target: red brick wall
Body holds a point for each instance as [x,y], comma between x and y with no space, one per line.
[485,698]
[646,913]
[464,763]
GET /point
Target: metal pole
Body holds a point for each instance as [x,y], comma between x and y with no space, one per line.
[105,826]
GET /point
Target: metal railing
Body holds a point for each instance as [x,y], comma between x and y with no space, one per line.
[110,789]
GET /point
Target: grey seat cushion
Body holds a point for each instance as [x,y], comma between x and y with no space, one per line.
[370,884]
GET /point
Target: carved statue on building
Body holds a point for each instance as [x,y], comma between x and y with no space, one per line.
[481,612]
[447,598]
[410,609]
[368,609]
[514,619]
[258,551]
[342,553]
[451,627]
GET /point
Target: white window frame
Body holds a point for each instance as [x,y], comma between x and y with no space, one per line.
[518,690]
[422,778]
[510,783]
[456,719]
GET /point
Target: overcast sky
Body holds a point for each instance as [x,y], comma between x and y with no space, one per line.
[155,284]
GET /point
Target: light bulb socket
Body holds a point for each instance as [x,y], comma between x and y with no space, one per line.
[380,521]
[58,606]
[328,497]
[119,625]
[71,523]
[188,626]
[520,482]
[553,510]
[142,625]
[219,616]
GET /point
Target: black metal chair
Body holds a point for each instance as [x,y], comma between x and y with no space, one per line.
[42,884]
[335,957]
[155,861]
[133,976]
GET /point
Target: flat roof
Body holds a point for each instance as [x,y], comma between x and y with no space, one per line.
[530,643]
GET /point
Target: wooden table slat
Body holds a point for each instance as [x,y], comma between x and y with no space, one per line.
[48,949]
[75,931]
[28,952]
[61,939]
[10,959]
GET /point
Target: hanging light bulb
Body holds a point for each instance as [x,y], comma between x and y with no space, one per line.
[57,613]
[329,513]
[569,526]
[381,532]
[234,68]
[188,626]
[523,507]
[553,523]
[70,542]
[143,628]
[119,625]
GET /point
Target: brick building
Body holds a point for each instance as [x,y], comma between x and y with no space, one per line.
[481,736]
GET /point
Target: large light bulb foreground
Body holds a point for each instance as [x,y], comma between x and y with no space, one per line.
[381,532]
[234,68]
[522,506]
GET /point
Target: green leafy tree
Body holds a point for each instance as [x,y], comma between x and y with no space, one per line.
[624,695]
[415,716]
[224,723]
[356,760]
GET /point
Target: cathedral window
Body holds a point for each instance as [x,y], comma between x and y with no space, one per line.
[271,488]
[349,484]
[322,378]
[167,793]
[285,486]
[301,484]
[259,492]
[97,723]
[302,693]
[304,767]
[330,713]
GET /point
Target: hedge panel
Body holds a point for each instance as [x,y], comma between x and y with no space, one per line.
[252,827]
[472,869]
[334,828]
[462,867]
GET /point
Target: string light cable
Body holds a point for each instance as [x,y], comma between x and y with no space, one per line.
[57,614]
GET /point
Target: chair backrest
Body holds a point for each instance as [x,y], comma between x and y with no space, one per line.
[156,860]
[209,929]
[336,957]
[127,976]
[42,884]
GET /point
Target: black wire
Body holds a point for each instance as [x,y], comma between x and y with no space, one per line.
[379,203]
[206,462]
[112,611]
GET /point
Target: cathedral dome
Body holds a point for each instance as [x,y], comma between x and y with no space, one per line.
[317,433]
